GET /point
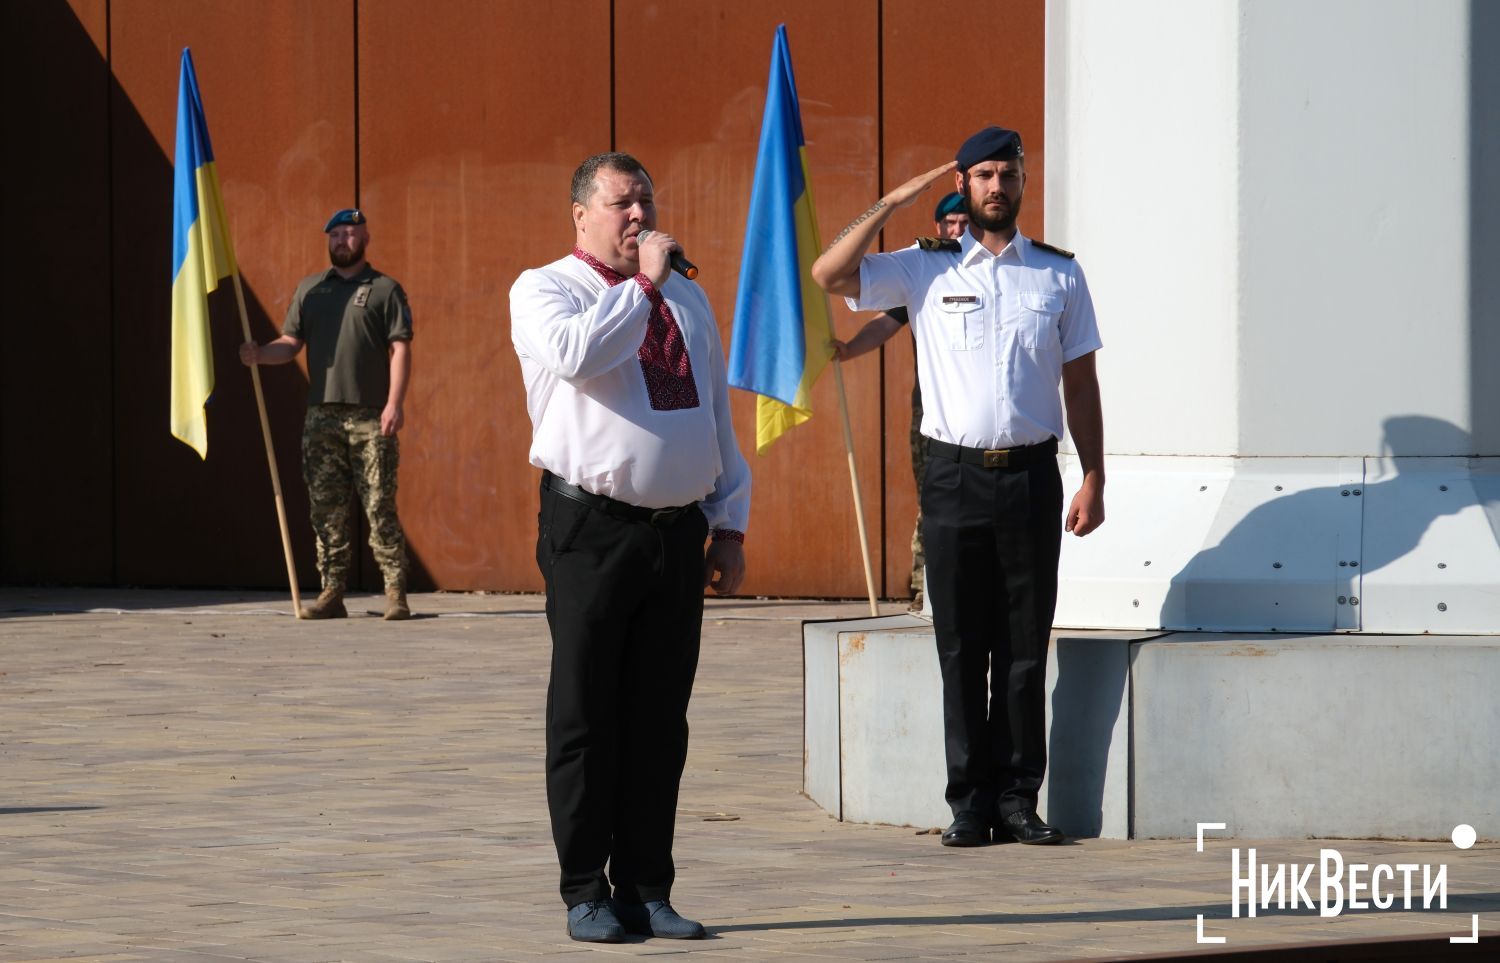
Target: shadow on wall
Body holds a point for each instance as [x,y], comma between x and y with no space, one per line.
[1292,562]
[164,518]
[1281,564]
[1090,695]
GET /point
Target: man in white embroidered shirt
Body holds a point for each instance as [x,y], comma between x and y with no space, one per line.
[999,320]
[629,406]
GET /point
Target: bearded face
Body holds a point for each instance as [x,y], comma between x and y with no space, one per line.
[992,194]
[346,245]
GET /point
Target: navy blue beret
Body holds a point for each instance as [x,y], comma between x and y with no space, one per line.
[992,143]
[950,204]
[349,215]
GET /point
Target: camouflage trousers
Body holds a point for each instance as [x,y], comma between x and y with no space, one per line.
[918,472]
[344,455]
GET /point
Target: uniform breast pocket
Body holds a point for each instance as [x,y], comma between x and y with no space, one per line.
[962,321]
[1040,313]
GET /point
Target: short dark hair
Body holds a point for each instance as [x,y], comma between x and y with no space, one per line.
[583,177]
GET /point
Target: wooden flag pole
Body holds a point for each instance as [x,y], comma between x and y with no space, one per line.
[859,509]
[265,432]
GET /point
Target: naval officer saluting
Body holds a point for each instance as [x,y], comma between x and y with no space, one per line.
[999,320]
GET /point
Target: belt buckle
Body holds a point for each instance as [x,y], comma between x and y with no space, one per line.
[997,458]
[664,516]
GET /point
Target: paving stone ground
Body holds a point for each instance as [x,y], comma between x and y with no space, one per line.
[199,777]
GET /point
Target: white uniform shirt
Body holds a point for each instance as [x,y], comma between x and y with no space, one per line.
[993,332]
[591,417]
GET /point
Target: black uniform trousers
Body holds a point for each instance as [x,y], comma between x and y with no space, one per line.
[625,607]
[993,536]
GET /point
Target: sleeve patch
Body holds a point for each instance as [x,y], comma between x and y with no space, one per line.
[939,244]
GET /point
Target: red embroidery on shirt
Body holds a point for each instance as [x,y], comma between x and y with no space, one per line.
[663,356]
[728,535]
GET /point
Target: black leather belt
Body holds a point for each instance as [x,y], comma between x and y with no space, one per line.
[993,457]
[613,507]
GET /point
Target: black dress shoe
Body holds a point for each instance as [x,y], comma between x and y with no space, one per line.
[968,829]
[1025,826]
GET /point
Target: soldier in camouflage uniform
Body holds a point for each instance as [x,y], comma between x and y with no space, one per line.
[357,325]
[951,219]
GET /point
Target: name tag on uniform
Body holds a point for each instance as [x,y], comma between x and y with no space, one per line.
[362,295]
[960,299]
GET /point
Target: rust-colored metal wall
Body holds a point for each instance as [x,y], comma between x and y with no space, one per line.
[56,519]
[456,126]
[277,79]
[468,142]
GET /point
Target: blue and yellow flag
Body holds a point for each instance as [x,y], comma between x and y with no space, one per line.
[201,254]
[781,321]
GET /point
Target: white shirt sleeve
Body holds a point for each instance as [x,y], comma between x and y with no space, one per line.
[728,505]
[551,326]
[1079,327]
[885,281]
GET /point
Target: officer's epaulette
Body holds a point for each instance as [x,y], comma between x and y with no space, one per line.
[1055,250]
[938,244]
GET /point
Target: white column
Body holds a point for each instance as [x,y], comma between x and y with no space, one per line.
[1277,206]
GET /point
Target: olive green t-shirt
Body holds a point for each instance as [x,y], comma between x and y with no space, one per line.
[348,326]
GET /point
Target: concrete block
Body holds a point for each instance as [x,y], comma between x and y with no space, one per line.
[820,715]
[891,724]
[874,726]
[1315,736]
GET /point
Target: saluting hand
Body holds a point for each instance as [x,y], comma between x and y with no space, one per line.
[912,189]
[837,269]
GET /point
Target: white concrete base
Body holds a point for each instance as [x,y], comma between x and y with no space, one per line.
[1276,736]
[1408,545]
[873,715]
[874,721]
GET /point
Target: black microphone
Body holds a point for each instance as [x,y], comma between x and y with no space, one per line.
[680,264]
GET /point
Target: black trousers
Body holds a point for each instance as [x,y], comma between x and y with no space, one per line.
[625,607]
[992,537]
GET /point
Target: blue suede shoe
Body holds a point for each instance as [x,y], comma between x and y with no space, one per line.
[595,922]
[656,917]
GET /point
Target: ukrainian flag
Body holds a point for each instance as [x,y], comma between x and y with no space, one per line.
[781,321]
[201,254]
